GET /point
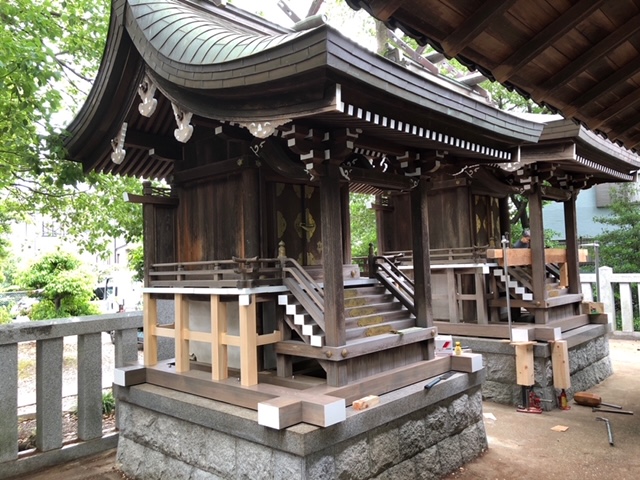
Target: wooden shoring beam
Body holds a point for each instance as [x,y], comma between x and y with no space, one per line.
[560,364]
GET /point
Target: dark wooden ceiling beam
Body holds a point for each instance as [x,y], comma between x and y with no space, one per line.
[617,78]
[593,54]
[474,25]
[384,9]
[163,146]
[620,106]
[547,36]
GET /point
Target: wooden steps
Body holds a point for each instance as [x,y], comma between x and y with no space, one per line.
[369,311]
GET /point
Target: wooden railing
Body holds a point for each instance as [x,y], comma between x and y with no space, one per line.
[237,272]
[48,358]
[400,285]
[616,295]
[305,289]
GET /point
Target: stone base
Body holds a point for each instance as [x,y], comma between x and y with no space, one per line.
[412,433]
[589,365]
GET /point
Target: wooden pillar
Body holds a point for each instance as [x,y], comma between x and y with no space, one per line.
[421,259]
[181,332]
[538,269]
[335,331]
[346,225]
[505,220]
[150,320]
[248,341]
[571,236]
[250,199]
[219,358]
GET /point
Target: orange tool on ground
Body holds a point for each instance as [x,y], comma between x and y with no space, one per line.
[591,400]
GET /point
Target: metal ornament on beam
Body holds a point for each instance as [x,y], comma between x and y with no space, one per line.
[147,90]
[118,154]
[183,118]
[265,128]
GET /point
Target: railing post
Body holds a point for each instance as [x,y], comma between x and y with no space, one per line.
[9,402]
[126,347]
[371,262]
[606,294]
[626,307]
[90,386]
[49,354]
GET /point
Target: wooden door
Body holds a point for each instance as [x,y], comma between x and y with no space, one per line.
[298,222]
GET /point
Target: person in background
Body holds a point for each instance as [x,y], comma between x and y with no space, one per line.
[524,241]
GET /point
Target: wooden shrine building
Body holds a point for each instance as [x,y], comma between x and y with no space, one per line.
[260,133]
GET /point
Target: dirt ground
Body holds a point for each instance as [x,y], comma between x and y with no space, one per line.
[521,446]
[524,446]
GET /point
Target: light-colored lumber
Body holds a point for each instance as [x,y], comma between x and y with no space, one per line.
[560,364]
[219,358]
[366,402]
[466,362]
[150,320]
[248,341]
[280,412]
[522,256]
[181,328]
[131,375]
[524,364]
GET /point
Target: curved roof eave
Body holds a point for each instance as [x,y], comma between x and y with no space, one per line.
[172,43]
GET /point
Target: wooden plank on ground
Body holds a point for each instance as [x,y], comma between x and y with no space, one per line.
[560,364]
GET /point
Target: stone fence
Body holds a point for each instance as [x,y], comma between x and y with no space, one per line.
[49,338]
[608,286]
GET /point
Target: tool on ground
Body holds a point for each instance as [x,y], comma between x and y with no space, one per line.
[530,401]
[606,421]
[605,410]
[591,400]
[433,382]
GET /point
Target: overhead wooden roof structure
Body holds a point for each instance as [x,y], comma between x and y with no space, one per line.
[228,67]
[581,57]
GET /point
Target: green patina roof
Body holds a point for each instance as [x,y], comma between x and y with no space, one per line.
[185,35]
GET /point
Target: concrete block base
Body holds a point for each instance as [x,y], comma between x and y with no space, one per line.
[411,433]
[589,365]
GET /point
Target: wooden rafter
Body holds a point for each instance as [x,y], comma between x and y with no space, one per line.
[592,55]
[314,8]
[541,41]
[621,105]
[474,25]
[288,12]
[618,77]
[383,9]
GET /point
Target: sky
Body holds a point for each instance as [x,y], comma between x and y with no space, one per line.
[358,26]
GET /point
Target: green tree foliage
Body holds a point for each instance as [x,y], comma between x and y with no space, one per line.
[64,289]
[49,54]
[620,245]
[363,224]
[135,261]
